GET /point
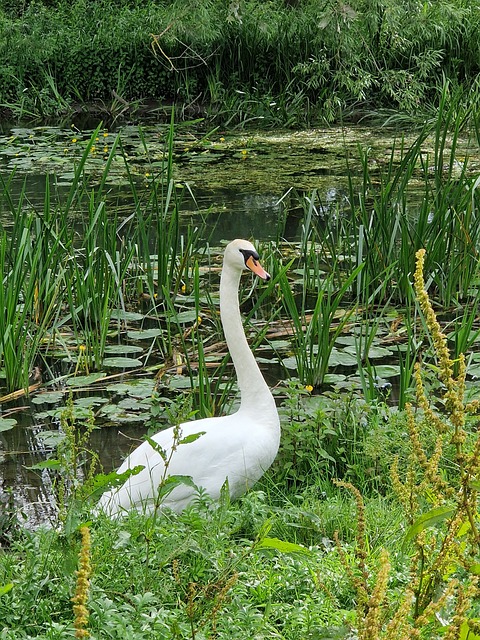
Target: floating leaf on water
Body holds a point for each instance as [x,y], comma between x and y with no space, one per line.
[84,381]
[145,334]
[290,363]
[122,363]
[387,371]
[51,438]
[280,344]
[342,358]
[89,401]
[50,397]
[135,388]
[474,371]
[334,378]
[347,341]
[179,382]
[186,316]
[132,316]
[115,413]
[7,423]
[379,352]
[373,352]
[123,348]
[132,404]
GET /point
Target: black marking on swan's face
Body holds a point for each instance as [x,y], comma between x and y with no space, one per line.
[249,253]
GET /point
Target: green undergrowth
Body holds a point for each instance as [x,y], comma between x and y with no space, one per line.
[279,63]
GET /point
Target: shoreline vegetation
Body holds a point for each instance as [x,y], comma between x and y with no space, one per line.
[290,63]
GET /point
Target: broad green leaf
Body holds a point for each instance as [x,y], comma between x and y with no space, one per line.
[6,588]
[89,401]
[7,423]
[51,438]
[48,397]
[342,358]
[171,482]
[429,519]
[104,481]
[121,349]
[85,381]
[145,334]
[52,463]
[466,632]
[192,437]
[119,314]
[281,545]
[122,363]
[387,371]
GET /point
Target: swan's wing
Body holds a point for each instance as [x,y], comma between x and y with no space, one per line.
[141,489]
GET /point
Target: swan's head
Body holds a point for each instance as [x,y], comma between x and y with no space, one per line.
[241,254]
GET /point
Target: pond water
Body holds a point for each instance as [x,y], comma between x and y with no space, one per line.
[242,185]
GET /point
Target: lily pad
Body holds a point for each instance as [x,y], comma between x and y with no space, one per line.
[144,334]
[122,363]
[186,316]
[51,438]
[132,316]
[49,397]
[134,388]
[342,358]
[90,401]
[7,423]
[118,349]
[85,381]
[387,371]
[334,378]
[373,353]
[120,415]
[290,362]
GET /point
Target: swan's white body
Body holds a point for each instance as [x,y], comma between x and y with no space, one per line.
[238,448]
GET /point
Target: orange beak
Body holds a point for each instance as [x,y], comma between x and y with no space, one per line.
[257,268]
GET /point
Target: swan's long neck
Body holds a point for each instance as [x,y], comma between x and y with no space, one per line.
[255,394]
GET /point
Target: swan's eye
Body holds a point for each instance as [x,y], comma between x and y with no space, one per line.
[248,253]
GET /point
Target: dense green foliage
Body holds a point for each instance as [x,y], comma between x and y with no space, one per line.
[283,62]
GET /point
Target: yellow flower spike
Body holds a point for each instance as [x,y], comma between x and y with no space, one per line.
[80,610]
[105,134]
[199,320]
[222,139]
[309,388]
[74,140]
[184,288]
[105,149]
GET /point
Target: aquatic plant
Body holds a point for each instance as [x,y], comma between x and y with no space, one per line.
[32,277]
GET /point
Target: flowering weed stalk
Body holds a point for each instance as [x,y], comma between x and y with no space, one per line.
[438,490]
[80,610]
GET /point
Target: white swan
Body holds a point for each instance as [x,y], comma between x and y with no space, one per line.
[239,447]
